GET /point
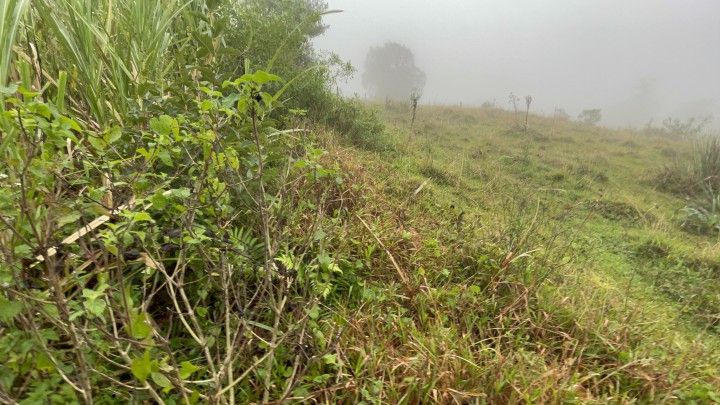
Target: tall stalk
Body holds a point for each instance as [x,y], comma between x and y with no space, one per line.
[120,49]
[11,15]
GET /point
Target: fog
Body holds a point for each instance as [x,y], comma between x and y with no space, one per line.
[636,60]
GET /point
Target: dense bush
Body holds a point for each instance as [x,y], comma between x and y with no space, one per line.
[139,261]
[172,232]
[280,35]
[155,202]
[357,123]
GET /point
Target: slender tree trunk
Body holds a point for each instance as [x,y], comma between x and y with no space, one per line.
[414,111]
[527,113]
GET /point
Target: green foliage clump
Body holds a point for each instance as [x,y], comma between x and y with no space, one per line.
[185,254]
[155,202]
[703,215]
[278,34]
[706,161]
[356,122]
[698,179]
[692,175]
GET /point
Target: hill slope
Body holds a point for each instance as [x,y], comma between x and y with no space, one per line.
[541,266]
[189,213]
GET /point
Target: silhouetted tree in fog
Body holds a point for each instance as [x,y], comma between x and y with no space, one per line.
[390,72]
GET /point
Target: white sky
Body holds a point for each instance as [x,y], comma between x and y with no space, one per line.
[574,54]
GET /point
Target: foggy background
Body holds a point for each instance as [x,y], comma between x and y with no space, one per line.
[636,60]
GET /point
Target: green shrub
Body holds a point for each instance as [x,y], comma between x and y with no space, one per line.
[278,34]
[703,216]
[151,197]
[693,176]
[356,122]
[186,257]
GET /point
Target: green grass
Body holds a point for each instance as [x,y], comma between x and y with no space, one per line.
[606,297]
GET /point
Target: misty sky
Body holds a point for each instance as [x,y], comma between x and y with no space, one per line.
[635,59]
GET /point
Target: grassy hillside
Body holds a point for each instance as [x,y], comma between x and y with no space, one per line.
[189,214]
[543,265]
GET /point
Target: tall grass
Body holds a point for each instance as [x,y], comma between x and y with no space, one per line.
[11,15]
[706,160]
[690,176]
[120,51]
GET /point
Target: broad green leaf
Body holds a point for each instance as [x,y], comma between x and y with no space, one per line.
[22,250]
[187,369]
[40,109]
[330,359]
[261,77]
[158,200]
[314,312]
[207,136]
[164,156]
[181,192]
[68,219]
[29,94]
[95,306]
[97,143]
[139,325]
[165,125]
[205,105]
[9,309]
[141,216]
[161,380]
[43,362]
[211,92]
[10,89]
[96,293]
[325,261]
[70,123]
[141,367]
[112,135]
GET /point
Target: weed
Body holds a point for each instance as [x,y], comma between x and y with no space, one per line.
[692,176]
[703,216]
[617,211]
[706,161]
[653,250]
